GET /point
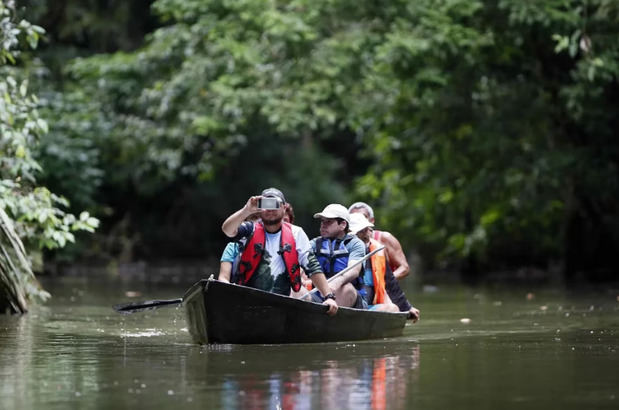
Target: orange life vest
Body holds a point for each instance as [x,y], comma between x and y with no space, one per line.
[254,249]
[377,235]
[379,268]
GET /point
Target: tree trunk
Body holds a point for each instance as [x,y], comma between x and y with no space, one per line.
[17,282]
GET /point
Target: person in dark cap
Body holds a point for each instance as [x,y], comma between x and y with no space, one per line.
[273,251]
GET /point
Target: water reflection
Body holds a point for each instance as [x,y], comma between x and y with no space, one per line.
[76,352]
[47,360]
[346,377]
[85,357]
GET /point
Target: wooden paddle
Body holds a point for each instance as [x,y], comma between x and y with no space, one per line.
[133,307]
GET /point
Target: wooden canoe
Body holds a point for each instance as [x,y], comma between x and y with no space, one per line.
[219,312]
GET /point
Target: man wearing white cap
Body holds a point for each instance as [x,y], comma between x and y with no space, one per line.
[395,255]
[336,249]
[273,251]
[375,269]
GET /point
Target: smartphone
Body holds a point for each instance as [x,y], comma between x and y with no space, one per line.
[268,203]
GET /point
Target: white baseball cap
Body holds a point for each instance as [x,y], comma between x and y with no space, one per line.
[332,211]
[358,222]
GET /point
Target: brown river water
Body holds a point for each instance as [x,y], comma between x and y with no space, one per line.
[499,347]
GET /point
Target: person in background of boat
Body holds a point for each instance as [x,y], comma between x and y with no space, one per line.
[395,255]
[336,249]
[392,285]
[374,269]
[274,250]
[227,260]
[289,214]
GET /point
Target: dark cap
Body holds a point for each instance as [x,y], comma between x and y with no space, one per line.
[274,193]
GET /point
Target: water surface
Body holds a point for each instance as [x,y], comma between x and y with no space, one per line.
[475,348]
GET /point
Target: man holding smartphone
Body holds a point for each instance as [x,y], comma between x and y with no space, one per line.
[273,250]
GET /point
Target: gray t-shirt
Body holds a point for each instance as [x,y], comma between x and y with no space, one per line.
[354,246]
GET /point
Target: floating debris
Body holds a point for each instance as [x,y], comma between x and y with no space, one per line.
[530,296]
[133,294]
[465,320]
[433,289]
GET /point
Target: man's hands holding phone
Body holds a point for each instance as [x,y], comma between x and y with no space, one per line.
[269,203]
[259,203]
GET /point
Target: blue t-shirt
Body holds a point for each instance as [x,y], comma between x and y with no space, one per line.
[230,252]
[368,278]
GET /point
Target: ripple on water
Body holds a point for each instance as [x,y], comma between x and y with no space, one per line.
[143,333]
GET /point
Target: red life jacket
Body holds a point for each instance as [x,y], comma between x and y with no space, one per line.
[254,249]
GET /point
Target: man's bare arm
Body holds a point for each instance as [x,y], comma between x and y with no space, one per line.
[225,271]
[231,225]
[318,278]
[395,255]
[320,281]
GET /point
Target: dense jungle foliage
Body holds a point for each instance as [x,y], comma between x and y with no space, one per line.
[483,132]
[31,216]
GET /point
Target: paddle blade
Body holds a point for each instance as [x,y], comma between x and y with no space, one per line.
[127,308]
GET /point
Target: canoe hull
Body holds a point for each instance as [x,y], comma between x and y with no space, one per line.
[219,312]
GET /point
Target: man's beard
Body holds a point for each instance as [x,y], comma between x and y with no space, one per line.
[273,221]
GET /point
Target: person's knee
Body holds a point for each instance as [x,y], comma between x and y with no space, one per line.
[346,295]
